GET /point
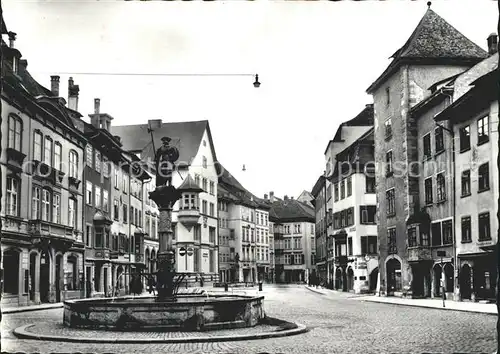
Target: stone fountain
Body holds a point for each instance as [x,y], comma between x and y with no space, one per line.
[168,310]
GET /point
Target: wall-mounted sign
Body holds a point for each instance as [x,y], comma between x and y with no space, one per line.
[182,251]
[190,251]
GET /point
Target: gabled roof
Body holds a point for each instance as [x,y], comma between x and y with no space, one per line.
[433,41]
[364,118]
[186,136]
[291,210]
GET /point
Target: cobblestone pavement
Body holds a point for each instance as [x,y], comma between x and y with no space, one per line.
[339,324]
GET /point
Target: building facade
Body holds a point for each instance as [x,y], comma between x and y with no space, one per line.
[42,167]
[415,67]
[320,211]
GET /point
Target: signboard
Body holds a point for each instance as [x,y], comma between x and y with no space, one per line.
[190,251]
[182,251]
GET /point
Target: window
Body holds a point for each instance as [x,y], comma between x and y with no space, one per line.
[465,183]
[370,184]
[297,243]
[391,241]
[98,200]
[117,178]
[37,146]
[88,193]
[211,234]
[368,244]
[212,188]
[105,205]
[116,209]
[428,190]
[204,162]
[484,177]
[427,146]
[204,207]
[212,209]
[336,191]
[98,161]
[436,234]
[439,139]
[15,129]
[412,237]
[72,212]
[56,209]
[342,189]
[465,138]
[12,196]
[153,228]
[387,96]
[73,164]
[388,161]
[441,187]
[391,201]
[466,229]
[367,214]
[447,232]
[483,130]
[105,167]
[99,239]
[197,179]
[35,206]
[88,234]
[57,156]
[388,128]
[46,205]
[205,188]
[47,155]
[484,227]
[89,152]
[125,213]
[350,216]
[424,238]
[124,183]
[349,186]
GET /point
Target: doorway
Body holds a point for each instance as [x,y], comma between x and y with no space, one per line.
[32,287]
[350,279]
[11,272]
[373,279]
[58,277]
[44,277]
[465,282]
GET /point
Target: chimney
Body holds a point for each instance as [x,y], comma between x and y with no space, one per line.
[291,198]
[97,105]
[286,197]
[73,91]
[492,43]
[118,138]
[54,85]
[23,63]
[265,196]
[12,39]
[271,196]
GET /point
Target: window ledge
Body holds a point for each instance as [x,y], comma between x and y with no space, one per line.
[464,149]
[391,215]
[441,202]
[429,204]
[439,153]
[465,195]
[483,190]
[388,137]
[427,158]
[484,141]
[484,240]
[466,241]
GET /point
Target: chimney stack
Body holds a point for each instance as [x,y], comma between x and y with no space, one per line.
[73,92]
[492,43]
[97,105]
[12,39]
[291,198]
[286,197]
[271,196]
[54,85]
[265,196]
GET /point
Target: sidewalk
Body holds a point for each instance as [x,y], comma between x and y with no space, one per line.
[434,303]
[6,310]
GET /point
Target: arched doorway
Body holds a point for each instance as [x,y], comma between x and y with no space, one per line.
[437,272]
[11,272]
[44,276]
[58,279]
[448,276]
[465,282]
[373,279]
[32,287]
[338,279]
[393,267]
[350,279]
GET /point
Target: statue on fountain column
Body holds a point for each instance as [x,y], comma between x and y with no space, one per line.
[165,156]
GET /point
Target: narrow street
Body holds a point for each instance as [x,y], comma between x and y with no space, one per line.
[339,323]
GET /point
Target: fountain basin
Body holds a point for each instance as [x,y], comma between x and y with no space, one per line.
[185,313]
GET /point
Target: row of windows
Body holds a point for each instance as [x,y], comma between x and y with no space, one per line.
[46,205]
[287,243]
[205,184]
[344,218]
[98,162]
[294,259]
[94,197]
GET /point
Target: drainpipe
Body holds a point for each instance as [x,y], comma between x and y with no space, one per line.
[326,234]
[1,179]
[129,227]
[498,211]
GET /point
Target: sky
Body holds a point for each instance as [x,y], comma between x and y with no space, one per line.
[315,60]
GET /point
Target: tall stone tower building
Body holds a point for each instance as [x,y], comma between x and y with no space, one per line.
[434,51]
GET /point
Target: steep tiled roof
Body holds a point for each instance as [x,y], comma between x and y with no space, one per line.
[186,136]
[291,210]
[433,40]
[189,184]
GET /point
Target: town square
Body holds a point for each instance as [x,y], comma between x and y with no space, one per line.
[249,176]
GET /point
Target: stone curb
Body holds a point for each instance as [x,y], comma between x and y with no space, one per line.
[429,307]
[21,332]
[317,291]
[33,308]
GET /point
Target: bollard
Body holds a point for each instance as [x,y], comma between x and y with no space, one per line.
[260,286]
[226,287]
